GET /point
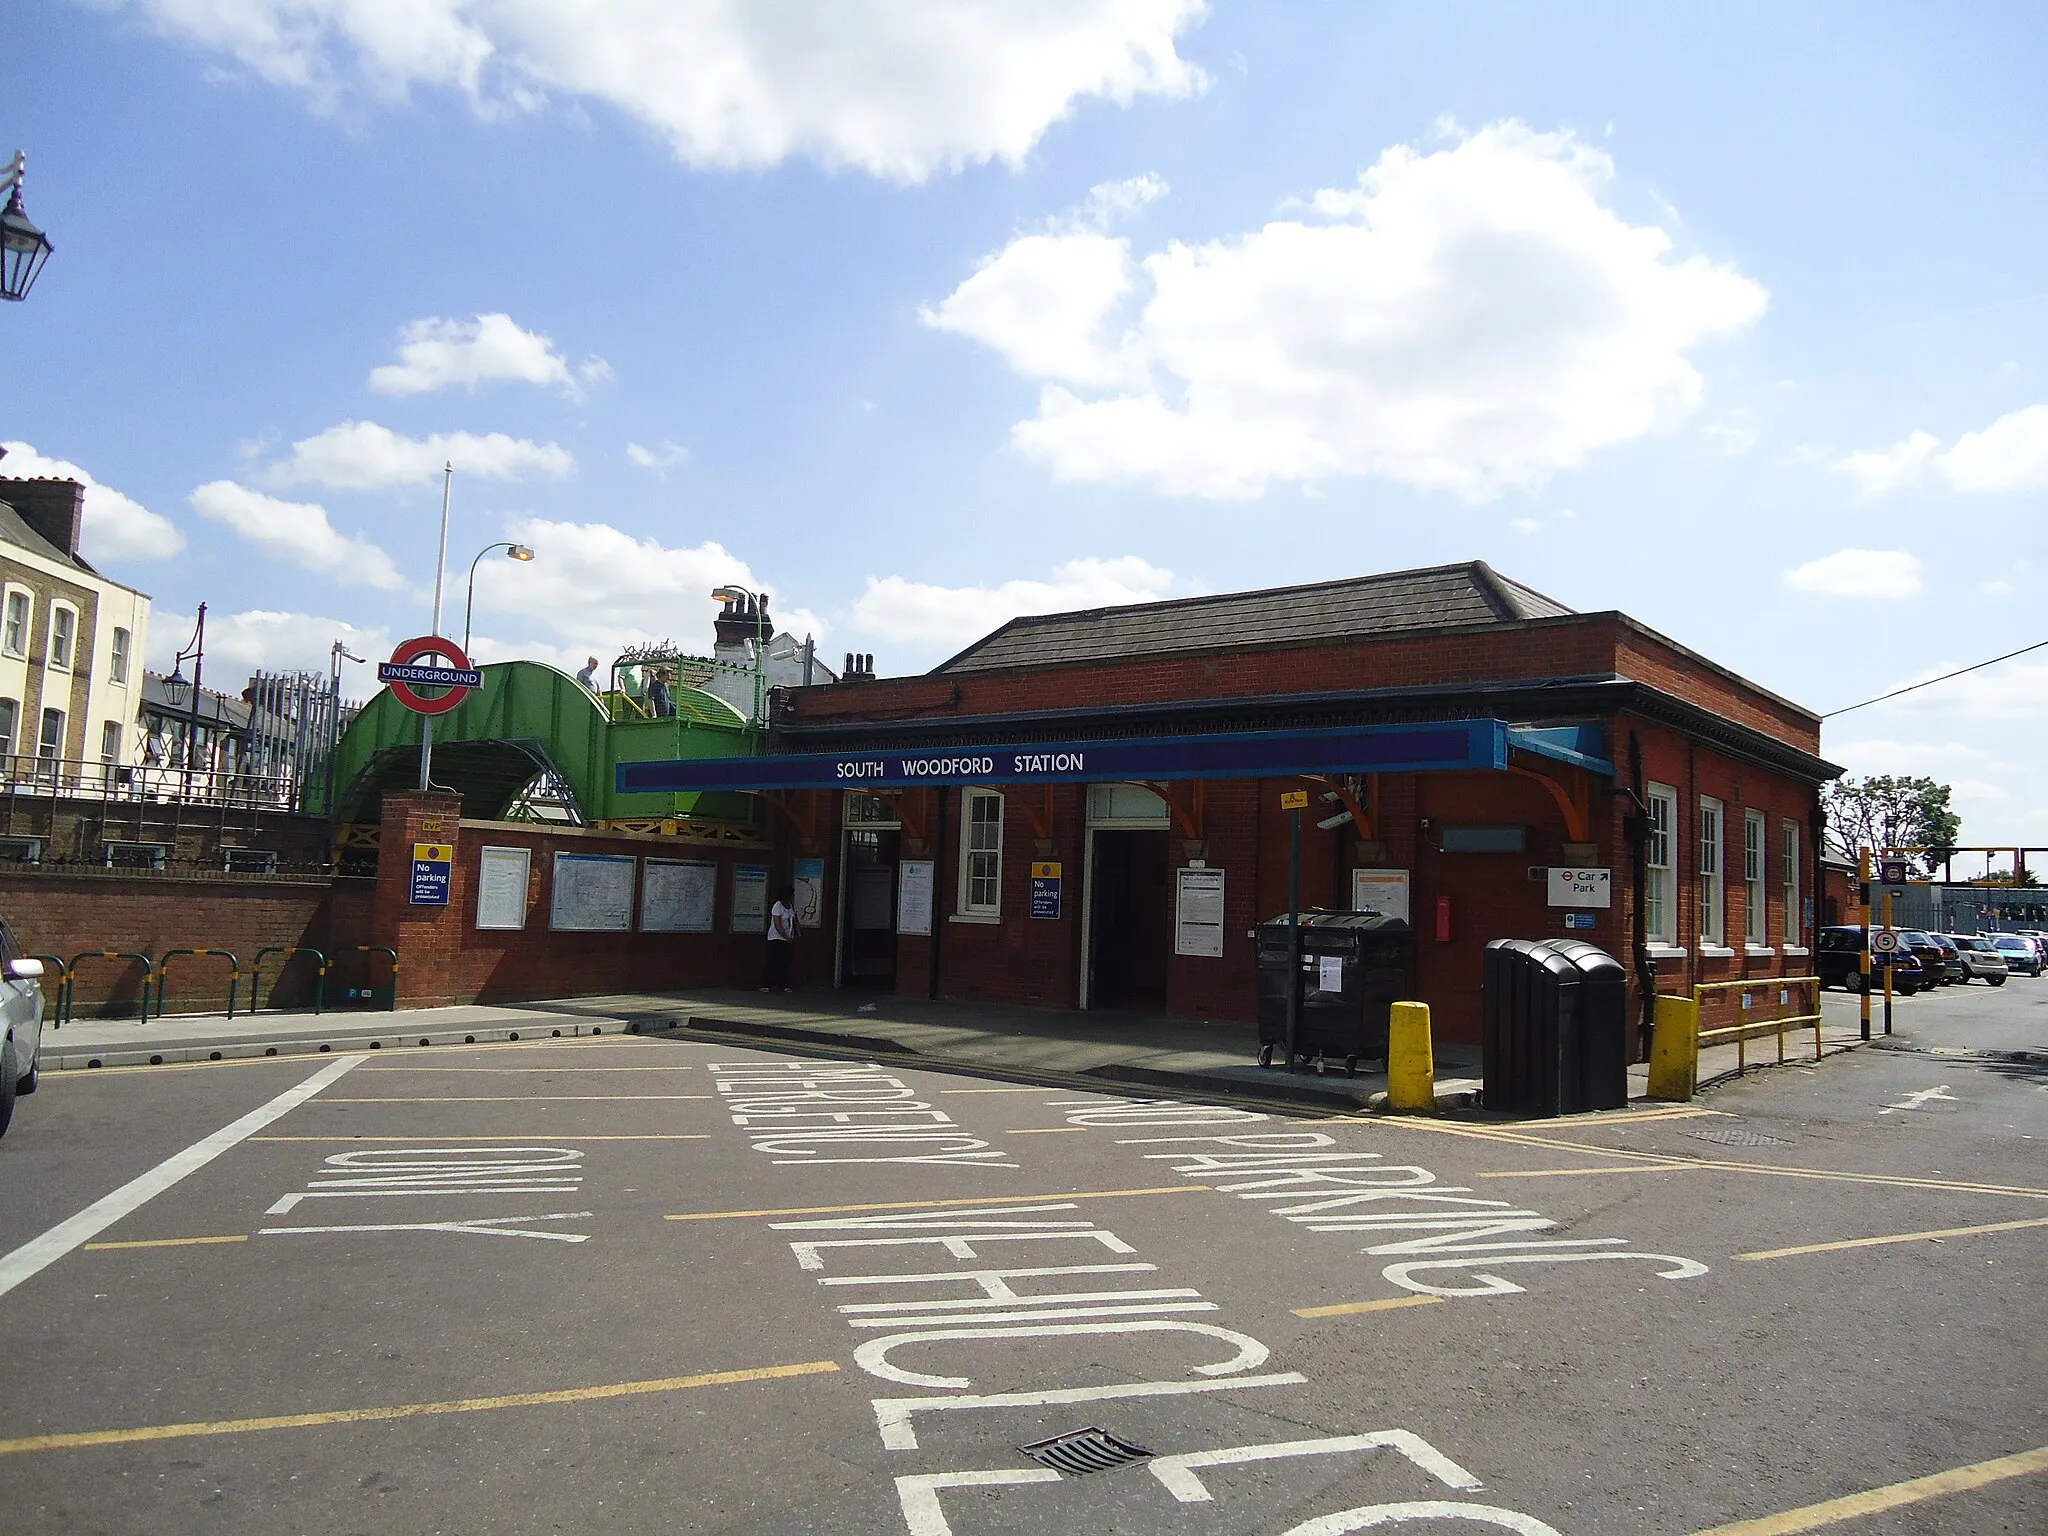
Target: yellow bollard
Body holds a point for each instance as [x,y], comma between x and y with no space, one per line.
[1675,1053]
[1411,1064]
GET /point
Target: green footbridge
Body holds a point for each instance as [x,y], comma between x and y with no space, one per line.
[533,744]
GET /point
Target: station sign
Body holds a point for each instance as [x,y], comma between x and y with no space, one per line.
[1893,871]
[433,868]
[1581,888]
[405,675]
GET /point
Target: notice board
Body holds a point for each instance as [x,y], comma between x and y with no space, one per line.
[593,893]
[750,898]
[914,896]
[501,887]
[677,896]
[1198,912]
[1384,891]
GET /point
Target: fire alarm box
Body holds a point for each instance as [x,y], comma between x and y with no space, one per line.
[1443,919]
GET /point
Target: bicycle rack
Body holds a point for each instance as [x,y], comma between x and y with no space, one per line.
[163,974]
[65,1007]
[287,950]
[63,983]
[384,949]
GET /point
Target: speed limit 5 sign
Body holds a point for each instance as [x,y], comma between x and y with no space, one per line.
[1885,943]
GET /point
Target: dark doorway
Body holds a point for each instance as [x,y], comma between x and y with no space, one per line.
[1129,922]
[870,910]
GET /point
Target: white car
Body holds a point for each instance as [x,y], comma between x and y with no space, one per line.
[1980,960]
[21,1009]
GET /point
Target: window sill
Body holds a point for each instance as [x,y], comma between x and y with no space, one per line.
[1759,952]
[1716,952]
[1795,951]
[1668,952]
[987,919]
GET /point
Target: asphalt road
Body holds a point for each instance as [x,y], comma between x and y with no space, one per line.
[630,1285]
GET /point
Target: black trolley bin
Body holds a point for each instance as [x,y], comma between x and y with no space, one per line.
[1556,1027]
[1365,957]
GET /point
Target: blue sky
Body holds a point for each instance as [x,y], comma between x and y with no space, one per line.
[1731,317]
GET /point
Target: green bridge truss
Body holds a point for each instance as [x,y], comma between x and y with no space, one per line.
[533,743]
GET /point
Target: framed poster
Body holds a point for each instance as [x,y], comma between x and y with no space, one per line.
[501,887]
[914,896]
[1198,912]
[750,898]
[593,893]
[810,892]
[1384,891]
[677,896]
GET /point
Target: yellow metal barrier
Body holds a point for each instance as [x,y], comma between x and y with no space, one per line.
[1749,1030]
[1675,1050]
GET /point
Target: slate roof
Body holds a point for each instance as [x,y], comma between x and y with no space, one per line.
[1436,597]
[14,529]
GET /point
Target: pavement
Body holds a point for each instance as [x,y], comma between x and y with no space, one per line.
[1195,1057]
[688,1281]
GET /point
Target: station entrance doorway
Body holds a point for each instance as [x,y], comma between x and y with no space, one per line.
[1127,898]
[867,895]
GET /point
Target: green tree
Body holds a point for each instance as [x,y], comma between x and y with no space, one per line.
[1884,812]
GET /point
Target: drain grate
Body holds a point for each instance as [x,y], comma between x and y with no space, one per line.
[1734,1136]
[1082,1451]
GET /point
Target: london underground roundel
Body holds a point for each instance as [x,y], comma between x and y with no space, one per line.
[407,672]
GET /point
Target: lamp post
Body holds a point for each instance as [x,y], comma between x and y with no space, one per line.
[512,552]
[23,247]
[175,686]
[336,655]
[732,592]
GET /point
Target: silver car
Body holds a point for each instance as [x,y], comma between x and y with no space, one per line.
[21,1008]
[1980,961]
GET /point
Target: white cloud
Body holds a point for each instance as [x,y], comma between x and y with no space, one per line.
[435,354]
[1734,436]
[661,460]
[1474,319]
[1860,573]
[1111,202]
[297,531]
[1879,470]
[1526,525]
[899,88]
[362,456]
[950,617]
[598,588]
[240,643]
[2009,455]
[117,527]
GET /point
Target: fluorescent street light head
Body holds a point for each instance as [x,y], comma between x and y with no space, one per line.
[519,552]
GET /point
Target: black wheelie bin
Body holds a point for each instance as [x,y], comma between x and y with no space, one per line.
[1354,966]
[1556,1027]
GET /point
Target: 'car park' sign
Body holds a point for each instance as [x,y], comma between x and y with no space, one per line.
[1582,888]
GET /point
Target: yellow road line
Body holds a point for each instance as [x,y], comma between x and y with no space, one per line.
[95,1437]
[1049,1130]
[1773,1170]
[166,1242]
[524,1098]
[1384,1304]
[1891,1496]
[1561,1173]
[417,1066]
[529,1136]
[920,1205]
[1903,1237]
[398,1046]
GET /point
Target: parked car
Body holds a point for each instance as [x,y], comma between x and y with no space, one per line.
[1953,970]
[1932,957]
[1839,963]
[1983,962]
[21,1011]
[2020,953]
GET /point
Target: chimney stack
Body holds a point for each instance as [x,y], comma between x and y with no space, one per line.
[54,508]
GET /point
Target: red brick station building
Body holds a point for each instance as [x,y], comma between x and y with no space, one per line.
[1083,810]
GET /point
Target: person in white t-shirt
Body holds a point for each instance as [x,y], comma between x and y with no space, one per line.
[781,942]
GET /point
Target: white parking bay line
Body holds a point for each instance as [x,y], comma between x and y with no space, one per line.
[39,1253]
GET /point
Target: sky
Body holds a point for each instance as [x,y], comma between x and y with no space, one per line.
[919,316]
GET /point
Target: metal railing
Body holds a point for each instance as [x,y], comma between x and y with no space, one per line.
[149,783]
[1751,1029]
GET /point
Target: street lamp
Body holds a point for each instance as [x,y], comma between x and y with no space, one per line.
[732,593]
[512,552]
[175,688]
[336,655]
[23,247]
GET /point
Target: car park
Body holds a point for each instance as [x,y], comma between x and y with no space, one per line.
[2020,954]
[21,1011]
[1839,963]
[1982,961]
